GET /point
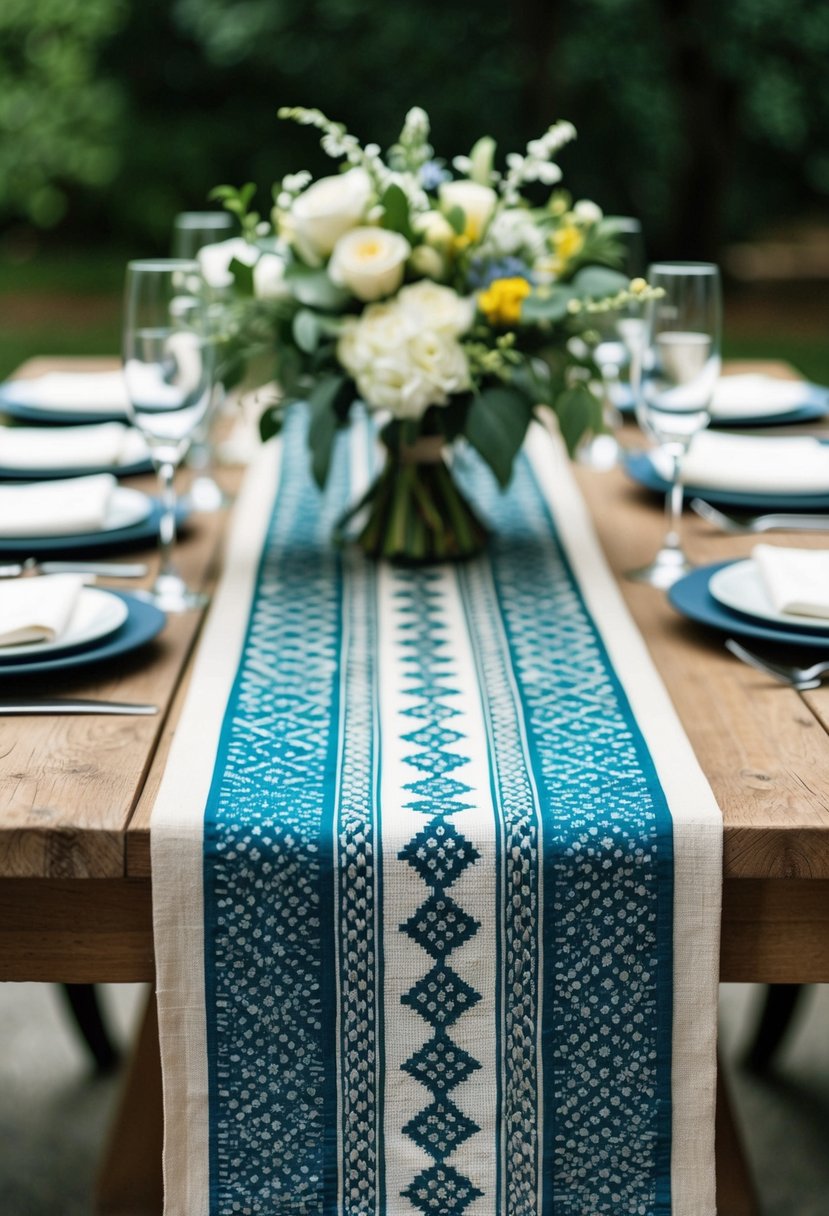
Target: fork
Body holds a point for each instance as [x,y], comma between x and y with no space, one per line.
[781,520]
[799,678]
[100,569]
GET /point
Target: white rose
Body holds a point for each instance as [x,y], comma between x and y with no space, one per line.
[329,208]
[364,340]
[476,201]
[215,260]
[434,228]
[441,360]
[370,262]
[437,308]
[427,262]
[269,278]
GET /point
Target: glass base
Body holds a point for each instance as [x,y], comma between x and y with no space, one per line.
[171,594]
[602,452]
[205,496]
[667,568]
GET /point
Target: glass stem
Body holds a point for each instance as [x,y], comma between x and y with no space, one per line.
[167,523]
[673,502]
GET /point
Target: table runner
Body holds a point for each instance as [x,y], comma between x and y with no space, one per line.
[436,876]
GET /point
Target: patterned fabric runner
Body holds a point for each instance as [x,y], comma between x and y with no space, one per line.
[436,878]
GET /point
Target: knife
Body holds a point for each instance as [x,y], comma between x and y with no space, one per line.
[66,705]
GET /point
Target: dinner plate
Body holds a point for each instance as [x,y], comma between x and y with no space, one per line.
[97,614]
[691,596]
[126,509]
[143,622]
[740,586]
[145,531]
[136,469]
[639,466]
[23,408]
[815,405]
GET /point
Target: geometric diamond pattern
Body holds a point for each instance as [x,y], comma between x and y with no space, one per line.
[440,1128]
[440,926]
[439,853]
[441,1064]
[441,1191]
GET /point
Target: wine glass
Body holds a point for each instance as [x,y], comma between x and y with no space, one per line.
[616,347]
[677,375]
[168,373]
[192,230]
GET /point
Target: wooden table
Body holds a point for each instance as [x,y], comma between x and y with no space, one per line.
[76,793]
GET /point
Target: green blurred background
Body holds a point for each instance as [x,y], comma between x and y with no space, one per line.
[707,119]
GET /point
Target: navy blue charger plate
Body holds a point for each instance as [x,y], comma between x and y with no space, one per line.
[815,405]
[144,532]
[144,622]
[691,597]
[638,465]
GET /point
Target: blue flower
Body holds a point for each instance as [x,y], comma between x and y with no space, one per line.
[483,271]
[433,174]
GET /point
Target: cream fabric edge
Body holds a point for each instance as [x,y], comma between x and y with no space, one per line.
[697,824]
[176,838]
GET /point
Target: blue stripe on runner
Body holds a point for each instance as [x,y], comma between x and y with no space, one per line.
[607,942]
[270,1024]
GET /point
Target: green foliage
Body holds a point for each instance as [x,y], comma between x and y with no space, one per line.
[496,424]
[59,112]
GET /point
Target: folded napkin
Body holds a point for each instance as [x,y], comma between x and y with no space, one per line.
[70,447]
[796,580]
[753,395]
[72,392]
[56,508]
[37,609]
[753,464]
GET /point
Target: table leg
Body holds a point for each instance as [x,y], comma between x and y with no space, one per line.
[735,1191]
[130,1179]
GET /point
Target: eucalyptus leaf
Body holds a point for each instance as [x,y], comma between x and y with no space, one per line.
[314,288]
[495,426]
[325,404]
[482,157]
[306,330]
[456,217]
[576,410]
[596,282]
[549,307]
[396,211]
[242,276]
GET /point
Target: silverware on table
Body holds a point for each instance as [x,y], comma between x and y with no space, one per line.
[784,521]
[99,569]
[71,705]
[799,678]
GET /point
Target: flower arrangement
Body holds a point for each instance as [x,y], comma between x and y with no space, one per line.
[442,298]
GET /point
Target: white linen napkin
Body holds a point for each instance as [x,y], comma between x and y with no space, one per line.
[56,508]
[73,392]
[753,464]
[37,609]
[754,394]
[70,447]
[796,580]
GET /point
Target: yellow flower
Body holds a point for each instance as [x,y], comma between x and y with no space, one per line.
[501,302]
[568,241]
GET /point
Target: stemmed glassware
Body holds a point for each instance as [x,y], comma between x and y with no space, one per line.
[677,375]
[619,333]
[192,230]
[168,373]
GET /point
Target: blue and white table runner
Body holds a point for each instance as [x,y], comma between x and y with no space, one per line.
[436,878]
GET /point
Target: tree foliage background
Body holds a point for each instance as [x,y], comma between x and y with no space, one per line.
[709,120]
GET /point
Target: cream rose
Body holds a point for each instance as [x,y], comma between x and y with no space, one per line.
[369,262]
[327,209]
[437,308]
[476,201]
[434,228]
[269,278]
[398,363]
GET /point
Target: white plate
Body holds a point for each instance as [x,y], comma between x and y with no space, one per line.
[97,614]
[126,508]
[740,587]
